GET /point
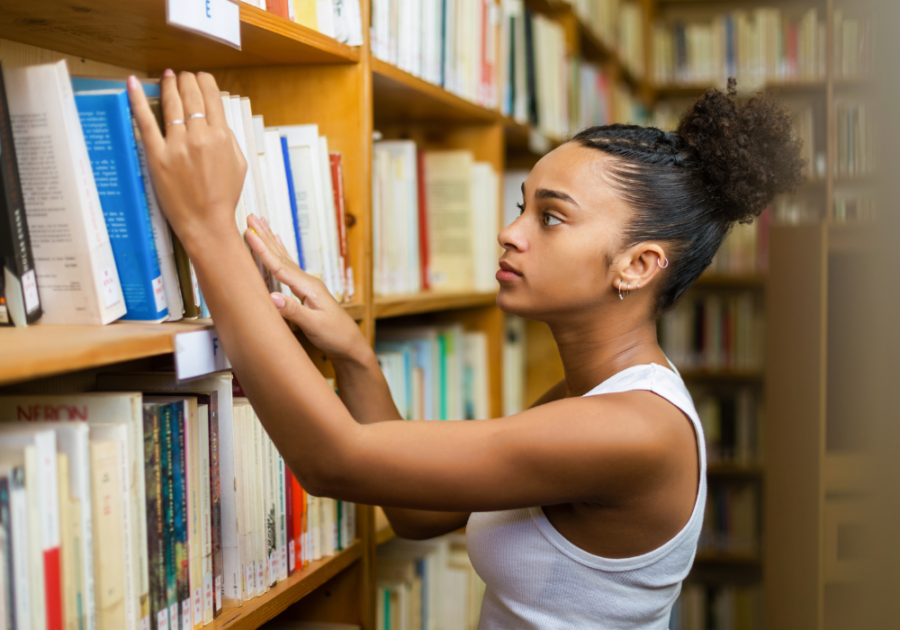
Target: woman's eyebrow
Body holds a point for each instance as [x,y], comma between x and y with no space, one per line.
[546,193]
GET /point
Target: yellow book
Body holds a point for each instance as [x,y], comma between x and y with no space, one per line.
[305,13]
[67,547]
[107,521]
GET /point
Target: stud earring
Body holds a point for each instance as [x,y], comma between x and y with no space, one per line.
[628,289]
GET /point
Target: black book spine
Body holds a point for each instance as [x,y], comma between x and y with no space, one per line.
[531,81]
[21,293]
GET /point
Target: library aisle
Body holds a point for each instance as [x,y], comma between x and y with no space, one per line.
[364,124]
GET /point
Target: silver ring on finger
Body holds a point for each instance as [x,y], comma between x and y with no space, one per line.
[197,115]
[177,121]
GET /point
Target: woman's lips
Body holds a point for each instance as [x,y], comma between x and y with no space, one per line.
[507,273]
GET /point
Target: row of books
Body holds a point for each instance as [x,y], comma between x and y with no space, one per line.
[811,128]
[601,17]
[84,240]
[745,250]
[855,140]
[436,373]
[128,510]
[849,208]
[765,45]
[340,19]
[451,43]
[715,332]
[853,45]
[436,217]
[717,607]
[731,521]
[427,585]
[731,425]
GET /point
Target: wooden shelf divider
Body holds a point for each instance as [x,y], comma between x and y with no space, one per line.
[259,610]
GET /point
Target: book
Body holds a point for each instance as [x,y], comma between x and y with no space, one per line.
[448,186]
[7,579]
[12,478]
[337,180]
[292,197]
[107,507]
[68,546]
[205,493]
[77,277]
[20,289]
[273,164]
[153,460]
[109,134]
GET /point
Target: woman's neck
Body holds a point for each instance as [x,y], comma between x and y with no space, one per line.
[596,348]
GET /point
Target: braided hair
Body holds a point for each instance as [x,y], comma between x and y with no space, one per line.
[724,164]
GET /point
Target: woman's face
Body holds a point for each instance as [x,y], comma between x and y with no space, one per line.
[559,254]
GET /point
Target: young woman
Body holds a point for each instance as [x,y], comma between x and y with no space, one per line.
[583,511]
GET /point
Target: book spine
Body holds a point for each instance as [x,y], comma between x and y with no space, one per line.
[108,131]
[289,174]
[156,551]
[109,564]
[191,437]
[297,498]
[289,518]
[168,498]
[179,473]
[281,507]
[9,578]
[20,279]
[215,504]
[205,512]
[21,596]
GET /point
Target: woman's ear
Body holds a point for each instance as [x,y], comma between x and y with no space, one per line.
[643,264]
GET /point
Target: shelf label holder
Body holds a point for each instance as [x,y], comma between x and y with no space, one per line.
[198,353]
[217,19]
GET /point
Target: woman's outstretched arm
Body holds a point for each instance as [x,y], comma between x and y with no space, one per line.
[568,450]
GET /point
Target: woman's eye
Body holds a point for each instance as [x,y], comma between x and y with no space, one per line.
[521,207]
[548,219]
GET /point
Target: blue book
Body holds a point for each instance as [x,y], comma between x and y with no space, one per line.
[88,84]
[290,182]
[179,500]
[204,309]
[109,134]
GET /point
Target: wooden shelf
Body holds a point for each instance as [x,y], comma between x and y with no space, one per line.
[47,350]
[384,534]
[725,558]
[735,471]
[135,35]
[736,376]
[400,97]
[259,610]
[724,281]
[430,302]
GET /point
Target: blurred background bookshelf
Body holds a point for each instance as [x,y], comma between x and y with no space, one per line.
[778,470]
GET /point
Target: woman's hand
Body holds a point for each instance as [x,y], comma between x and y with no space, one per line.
[197,168]
[325,323]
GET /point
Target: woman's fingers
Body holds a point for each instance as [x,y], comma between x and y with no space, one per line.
[212,98]
[173,109]
[191,99]
[290,308]
[150,131]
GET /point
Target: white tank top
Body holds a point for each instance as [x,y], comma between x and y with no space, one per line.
[537,580]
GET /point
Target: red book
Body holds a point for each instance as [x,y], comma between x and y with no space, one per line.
[297,498]
[423,222]
[337,184]
[278,7]
[289,517]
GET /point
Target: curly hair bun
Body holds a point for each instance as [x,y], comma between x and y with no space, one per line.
[747,151]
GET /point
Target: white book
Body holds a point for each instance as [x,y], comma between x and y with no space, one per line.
[260,555]
[485,220]
[39,445]
[57,413]
[329,219]
[303,148]
[76,272]
[281,507]
[12,466]
[220,385]
[402,224]
[242,488]
[284,218]
[249,191]
[354,22]
[272,538]
[329,526]
[241,210]
[205,512]
[253,158]
[475,360]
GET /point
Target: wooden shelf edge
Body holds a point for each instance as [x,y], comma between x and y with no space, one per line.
[384,534]
[252,614]
[430,302]
[275,26]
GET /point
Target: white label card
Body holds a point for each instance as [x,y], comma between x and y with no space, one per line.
[197,353]
[218,19]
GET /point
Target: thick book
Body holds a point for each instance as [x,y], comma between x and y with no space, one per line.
[76,270]
[19,284]
[289,517]
[109,133]
[206,544]
[273,167]
[337,180]
[156,552]
[448,194]
[13,511]
[424,255]
[222,436]
[292,198]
